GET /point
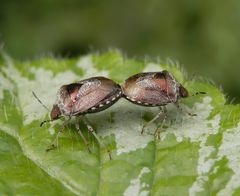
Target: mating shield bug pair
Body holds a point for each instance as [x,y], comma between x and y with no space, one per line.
[98,93]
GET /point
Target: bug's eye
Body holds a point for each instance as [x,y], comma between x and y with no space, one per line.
[183,92]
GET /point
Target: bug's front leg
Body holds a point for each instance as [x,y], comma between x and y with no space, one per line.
[55,141]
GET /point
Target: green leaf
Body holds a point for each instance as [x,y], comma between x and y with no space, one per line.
[195,155]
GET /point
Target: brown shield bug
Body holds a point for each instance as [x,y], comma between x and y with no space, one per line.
[154,89]
[86,96]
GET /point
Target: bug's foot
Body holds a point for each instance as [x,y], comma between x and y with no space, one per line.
[109,154]
[51,147]
[89,150]
[191,114]
[159,130]
[143,129]
[157,134]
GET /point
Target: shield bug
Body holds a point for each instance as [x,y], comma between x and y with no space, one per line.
[86,96]
[154,89]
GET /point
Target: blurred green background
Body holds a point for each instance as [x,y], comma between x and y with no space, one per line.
[204,36]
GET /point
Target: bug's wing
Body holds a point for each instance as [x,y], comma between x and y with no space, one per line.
[152,91]
[87,87]
[152,88]
[147,83]
[166,86]
[70,95]
[92,93]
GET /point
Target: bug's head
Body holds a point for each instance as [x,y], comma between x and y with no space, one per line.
[55,112]
[54,115]
[183,92]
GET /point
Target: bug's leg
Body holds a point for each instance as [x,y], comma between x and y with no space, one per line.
[81,134]
[89,127]
[151,121]
[159,128]
[189,113]
[55,141]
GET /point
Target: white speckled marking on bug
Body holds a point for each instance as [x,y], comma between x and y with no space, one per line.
[136,186]
[89,70]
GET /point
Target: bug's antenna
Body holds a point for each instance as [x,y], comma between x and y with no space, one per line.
[199,93]
[40,101]
[45,121]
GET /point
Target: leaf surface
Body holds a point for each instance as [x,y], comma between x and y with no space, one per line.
[195,155]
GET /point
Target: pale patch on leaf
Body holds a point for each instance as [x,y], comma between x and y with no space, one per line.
[45,85]
[205,162]
[136,186]
[5,85]
[197,128]
[230,148]
[190,127]
[128,122]
[152,67]
[88,67]
[84,173]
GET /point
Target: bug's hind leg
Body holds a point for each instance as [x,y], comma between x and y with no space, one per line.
[54,144]
[89,127]
[81,134]
[151,121]
[159,128]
